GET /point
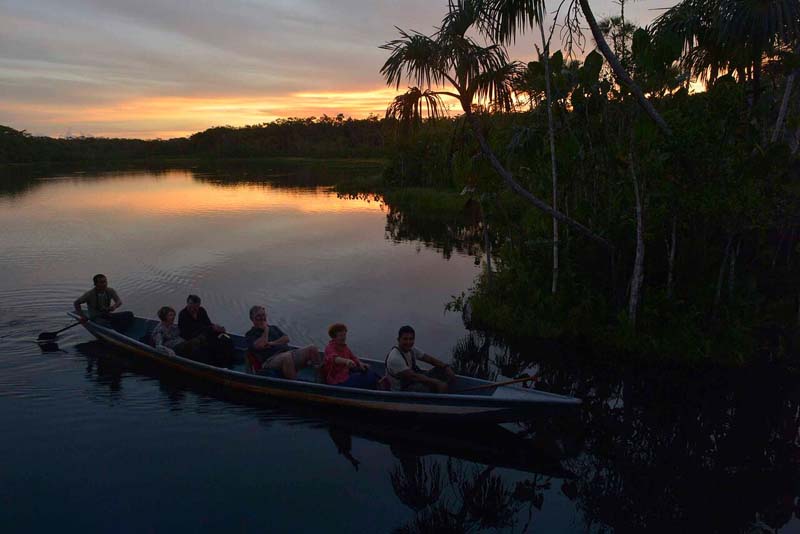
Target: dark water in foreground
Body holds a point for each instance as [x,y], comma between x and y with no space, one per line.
[94,441]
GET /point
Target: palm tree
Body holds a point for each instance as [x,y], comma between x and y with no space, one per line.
[450,63]
[732,35]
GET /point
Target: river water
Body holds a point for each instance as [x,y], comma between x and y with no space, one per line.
[96,442]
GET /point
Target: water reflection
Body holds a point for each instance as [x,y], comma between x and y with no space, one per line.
[456,478]
[650,451]
[668,449]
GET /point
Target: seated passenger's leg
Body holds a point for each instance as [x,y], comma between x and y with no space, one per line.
[285,363]
[307,356]
[365,380]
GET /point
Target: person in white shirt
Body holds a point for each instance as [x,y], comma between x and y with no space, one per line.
[402,370]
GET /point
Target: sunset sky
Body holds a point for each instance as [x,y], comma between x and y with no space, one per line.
[168,68]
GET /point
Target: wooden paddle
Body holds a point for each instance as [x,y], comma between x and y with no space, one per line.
[497,384]
[44,337]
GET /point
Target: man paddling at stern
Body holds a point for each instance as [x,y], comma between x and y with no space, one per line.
[402,370]
[101,301]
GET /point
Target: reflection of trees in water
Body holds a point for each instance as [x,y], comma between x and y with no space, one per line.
[19,180]
[471,356]
[286,174]
[707,456]
[669,449]
[436,220]
[442,231]
[456,496]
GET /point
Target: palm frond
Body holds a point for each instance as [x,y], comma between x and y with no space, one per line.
[414,105]
[463,15]
[511,17]
[415,57]
[497,86]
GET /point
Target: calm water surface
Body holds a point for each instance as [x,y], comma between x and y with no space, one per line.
[92,440]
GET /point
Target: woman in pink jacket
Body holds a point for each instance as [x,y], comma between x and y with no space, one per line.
[341,367]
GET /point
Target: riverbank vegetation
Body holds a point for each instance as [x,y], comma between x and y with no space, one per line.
[323,137]
[618,206]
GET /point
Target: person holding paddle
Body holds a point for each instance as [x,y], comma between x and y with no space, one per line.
[402,370]
[101,301]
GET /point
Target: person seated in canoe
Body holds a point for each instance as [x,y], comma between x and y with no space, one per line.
[343,368]
[166,335]
[205,341]
[269,346]
[101,301]
[402,370]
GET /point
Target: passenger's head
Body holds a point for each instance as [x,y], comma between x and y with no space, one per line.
[338,332]
[405,338]
[193,303]
[166,314]
[100,281]
[258,314]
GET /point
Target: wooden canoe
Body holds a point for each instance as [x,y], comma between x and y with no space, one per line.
[496,404]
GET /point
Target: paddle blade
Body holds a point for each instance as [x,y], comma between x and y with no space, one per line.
[50,346]
[47,336]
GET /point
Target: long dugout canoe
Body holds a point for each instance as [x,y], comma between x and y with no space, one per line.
[495,404]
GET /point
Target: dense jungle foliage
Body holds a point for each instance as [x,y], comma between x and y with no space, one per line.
[645,199]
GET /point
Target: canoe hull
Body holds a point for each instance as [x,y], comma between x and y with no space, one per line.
[473,408]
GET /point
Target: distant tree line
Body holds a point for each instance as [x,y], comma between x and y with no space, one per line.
[299,137]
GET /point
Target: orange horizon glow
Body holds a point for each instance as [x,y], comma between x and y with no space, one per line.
[181,116]
[167,117]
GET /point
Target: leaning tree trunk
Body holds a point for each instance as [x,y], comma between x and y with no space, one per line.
[637,277]
[487,244]
[787,93]
[671,260]
[552,135]
[521,191]
[796,141]
[721,276]
[619,70]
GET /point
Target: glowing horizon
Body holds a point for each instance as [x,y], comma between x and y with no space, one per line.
[212,111]
[153,69]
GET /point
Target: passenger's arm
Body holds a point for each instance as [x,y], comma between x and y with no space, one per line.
[345,361]
[427,358]
[261,342]
[411,376]
[77,304]
[283,340]
[116,301]
[158,337]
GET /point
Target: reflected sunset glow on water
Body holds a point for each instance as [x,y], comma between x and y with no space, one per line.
[177,192]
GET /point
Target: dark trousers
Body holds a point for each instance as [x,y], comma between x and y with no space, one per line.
[208,348]
[118,320]
[365,380]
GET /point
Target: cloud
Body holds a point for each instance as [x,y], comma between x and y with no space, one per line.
[105,66]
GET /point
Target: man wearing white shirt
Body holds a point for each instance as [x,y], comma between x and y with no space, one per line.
[402,370]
